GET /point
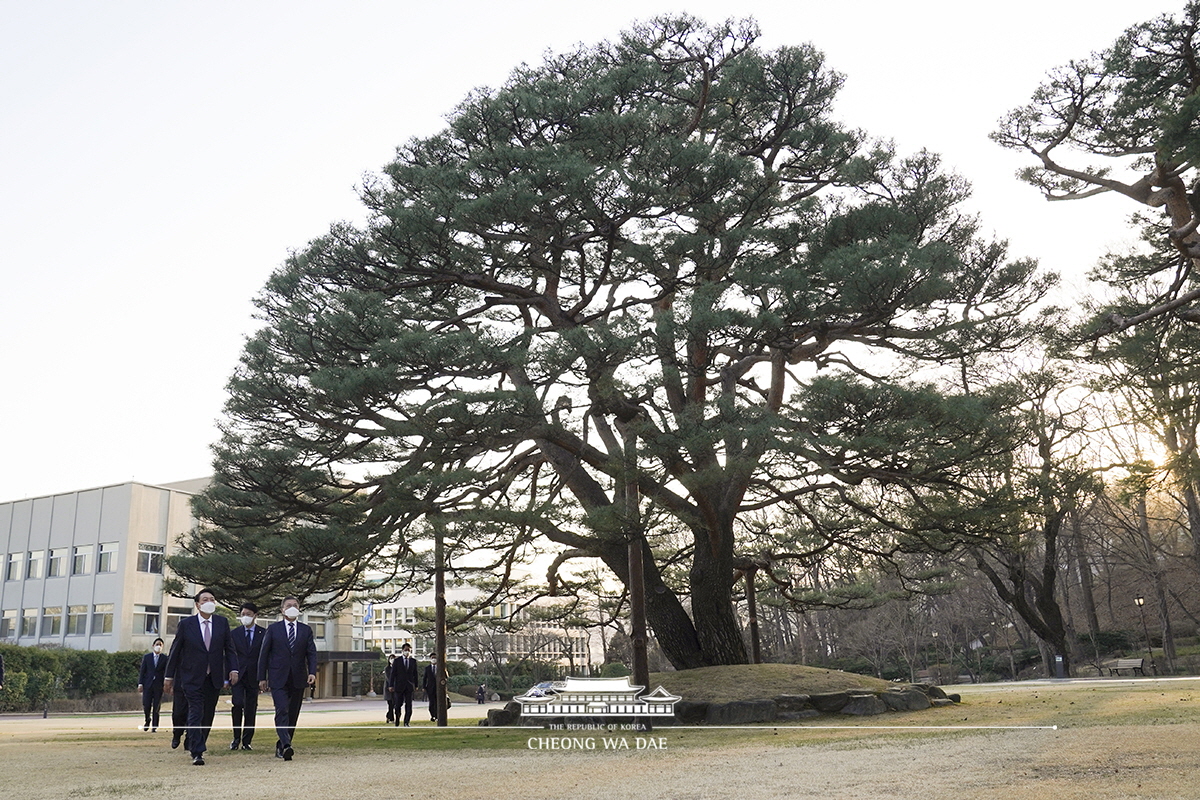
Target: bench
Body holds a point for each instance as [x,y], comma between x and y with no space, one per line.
[1135,665]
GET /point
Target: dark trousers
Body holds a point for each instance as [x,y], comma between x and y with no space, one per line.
[151,701]
[202,708]
[391,701]
[404,697]
[179,712]
[245,708]
[287,712]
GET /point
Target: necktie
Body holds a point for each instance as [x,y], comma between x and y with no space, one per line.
[207,634]
[292,635]
[250,636]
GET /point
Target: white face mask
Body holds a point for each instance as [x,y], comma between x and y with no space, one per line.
[247,621]
[291,612]
[158,648]
[208,607]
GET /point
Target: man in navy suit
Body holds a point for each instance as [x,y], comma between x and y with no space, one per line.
[202,659]
[402,682]
[150,683]
[247,643]
[288,665]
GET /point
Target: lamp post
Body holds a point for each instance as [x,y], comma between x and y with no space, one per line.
[1140,602]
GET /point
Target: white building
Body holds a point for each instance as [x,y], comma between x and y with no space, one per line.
[390,625]
[85,570]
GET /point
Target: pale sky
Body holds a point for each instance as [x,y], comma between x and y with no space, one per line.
[158,160]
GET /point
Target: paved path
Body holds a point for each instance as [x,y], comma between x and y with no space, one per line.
[316,713]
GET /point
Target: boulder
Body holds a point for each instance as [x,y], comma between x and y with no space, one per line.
[905,700]
[796,716]
[689,712]
[741,712]
[793,702]
[830,703]
[864,705]
[931,691]
[509,715]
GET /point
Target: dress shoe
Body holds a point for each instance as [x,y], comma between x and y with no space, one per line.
[175,742]
[198,761]
[235,744]
[246,746]
[154,730]
[406,724]
[288,752]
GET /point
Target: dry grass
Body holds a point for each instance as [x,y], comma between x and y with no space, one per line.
[755,681]
[1100,740]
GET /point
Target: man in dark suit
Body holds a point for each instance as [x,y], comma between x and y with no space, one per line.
[402,681]
[202,659]
[247,643]
[387,687]
[150,683]
[287,664]
[429,682]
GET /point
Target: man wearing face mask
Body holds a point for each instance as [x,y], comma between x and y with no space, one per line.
[202,658]
[150,684]
[247,642]
[288,664]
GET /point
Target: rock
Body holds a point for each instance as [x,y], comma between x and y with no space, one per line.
[905,700]
[830,703]
[864,705]
[938,702]
[509,715]
[931,691]
[741,712]
[954,698]
[690,712]
[793,702]
[796,716]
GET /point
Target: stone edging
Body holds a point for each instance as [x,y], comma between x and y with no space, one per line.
[783,708]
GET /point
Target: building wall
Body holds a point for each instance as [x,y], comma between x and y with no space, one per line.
[97,598]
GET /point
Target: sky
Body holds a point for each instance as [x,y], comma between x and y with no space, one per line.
[158,161]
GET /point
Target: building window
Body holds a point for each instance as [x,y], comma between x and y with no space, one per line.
[80,560]
[8,624]
[318,627]
[107,561]
[12,571]
[76,620]
[102,618]
[145,619]
[52,621]
[56,563]
[29,622]
[33,564]
[175,615]
[150,558]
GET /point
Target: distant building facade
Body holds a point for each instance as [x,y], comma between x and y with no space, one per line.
[390,625]
[85,570]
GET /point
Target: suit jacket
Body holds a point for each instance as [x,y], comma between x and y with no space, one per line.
[401,678]
[282,666]
[149,675]
[248,652]
[190,665]
[429,679]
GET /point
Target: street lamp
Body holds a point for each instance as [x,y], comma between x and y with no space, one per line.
[1140,602]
